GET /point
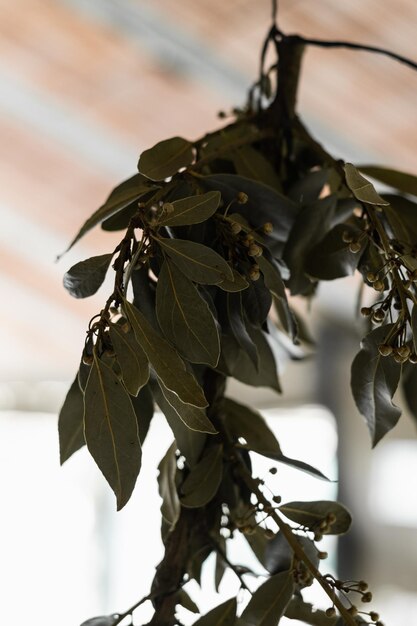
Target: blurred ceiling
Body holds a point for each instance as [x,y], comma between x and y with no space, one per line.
[85,85]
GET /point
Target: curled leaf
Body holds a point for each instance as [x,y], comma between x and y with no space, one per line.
[84,278]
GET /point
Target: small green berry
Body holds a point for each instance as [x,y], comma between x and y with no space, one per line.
[267,228]
[355,247]
[331,611]
[378,285]
[242,197]
[384,349]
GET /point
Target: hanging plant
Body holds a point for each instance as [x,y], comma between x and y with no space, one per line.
[218,234]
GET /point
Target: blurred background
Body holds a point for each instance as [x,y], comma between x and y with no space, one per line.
[85,85]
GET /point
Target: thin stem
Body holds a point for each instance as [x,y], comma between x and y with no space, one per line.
[349,45]
[121,616]
[287,532]
[233,567]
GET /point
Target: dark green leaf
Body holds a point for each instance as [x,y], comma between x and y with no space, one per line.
[133,362]
[264,202]
[275,284]
[374,381]
[189,442]
[361,188]
[242,368]
[203,481]
[166,362]
[185,317]
[70,423]
[144,408]
[309,228]
[170,507]
[104,620]
[193,417]
[200,263]
[191,210]
[279,556]
[222,615]
[251,164]
[237,324]
[243,422]
[306,190]
[257,301]
[402,217]
[166,158]
[221,565]
[237,284]
[184,599]
[407,183]
[310,514]
[332,258]
[111,430]
[85,278]
[125,193]
[144,292]
[268,603]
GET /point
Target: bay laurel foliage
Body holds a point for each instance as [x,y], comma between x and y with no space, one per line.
[218,235]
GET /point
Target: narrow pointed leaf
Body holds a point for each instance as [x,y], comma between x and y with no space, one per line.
[269,601]
[200,263]
[170,507]
[251,163]
[332,257]
[125,193]
[222,615]
[193,417]
[70,422]
[236,320]
[84,278]
[407,183]
[190,442]
[203,481]
[184,599]
[131,358]
[185,317]
[374,381]
[310,514]
[166,158]
[361,188]
[143,405]
[166,362]
[111,430]
[191,210]
[241,421]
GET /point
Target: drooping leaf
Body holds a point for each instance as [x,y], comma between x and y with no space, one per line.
[144,295]
[267,204]
[243,422]
[275,284]
[185,317]
[111,430]
[193,417]
[143,406]
[204,479]
[222,615]
[131,358]
[166,362]
[166,158]
[310,514]
[184,600]
[199,263]
[407,183]
[84,278]
[220,565]
[104,620]
[236,320]
[191,210]
[170,507]
[190,442]
[240,366]
[374,381]
[70,422]
[361,188]
[402,217]
[332,257]
[122,195]
[257,301]
[311,224]
[268,603]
